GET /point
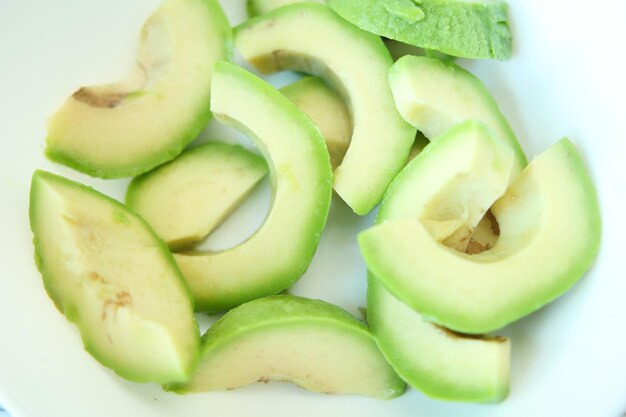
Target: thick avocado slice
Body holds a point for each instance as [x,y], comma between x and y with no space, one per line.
[549,225]
[127,128]
[433,359]
[185,199]
[281,250]
[311,343]
[434,96]
[108,272]
[468,29]
[328,112]
[354,63]
[430,358]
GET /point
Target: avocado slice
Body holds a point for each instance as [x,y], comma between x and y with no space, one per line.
[468,29]
[354,63]
[185,199]
[109,274]
[127,128]
[281,250]
[311,343]
[328,112]
[435,360]
[434,96]
[549,235]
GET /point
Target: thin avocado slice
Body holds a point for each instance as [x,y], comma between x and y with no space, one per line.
[549,225]
[280,251]
[328,112]
[434,96]
[109,274]
[311,343]
[354,63]
[129,127]
[185,199]
[435,360]
[468,29]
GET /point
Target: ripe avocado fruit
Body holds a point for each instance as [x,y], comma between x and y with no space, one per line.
[468,29]
[311,343]
[434,96]
[326,110]
[185,199]
[109,274]
[259,7]
[550,229]
[280,251]
[354,63]
[127,128]
[452,183]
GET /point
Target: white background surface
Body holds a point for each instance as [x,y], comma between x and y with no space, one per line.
[566,79]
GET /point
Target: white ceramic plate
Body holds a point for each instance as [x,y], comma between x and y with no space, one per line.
[566,78]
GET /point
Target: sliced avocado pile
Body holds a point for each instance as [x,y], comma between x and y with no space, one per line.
[469,237]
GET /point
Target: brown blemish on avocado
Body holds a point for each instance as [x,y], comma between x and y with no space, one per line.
[93,98]
[457,335]
[96,277]
[264,380]
[474,247]
[122,299]
[495,226]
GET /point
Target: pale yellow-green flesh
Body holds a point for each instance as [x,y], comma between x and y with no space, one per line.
[317,356]
[428,357]
[281,250]
[355,64]
[131,126]
[327,110]
[549,235]
[110,275]
[434,96]
[187,198]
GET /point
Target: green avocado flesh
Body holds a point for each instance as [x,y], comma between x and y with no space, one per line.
[355,64]
[281,250]
[326,110]
[259,7]
[469,29]
[432,359]
[433,96]
[127,128]
[549,226]
[185,199]
[110,275]
[311,343]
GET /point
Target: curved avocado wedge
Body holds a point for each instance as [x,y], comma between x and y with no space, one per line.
[109,274]
[468,29]
[281,250]
[326,110]
[128,128]
[549,235]
[354,63]
[185,199]
[430,358]
[433,96]
[440,363]
[311,343]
